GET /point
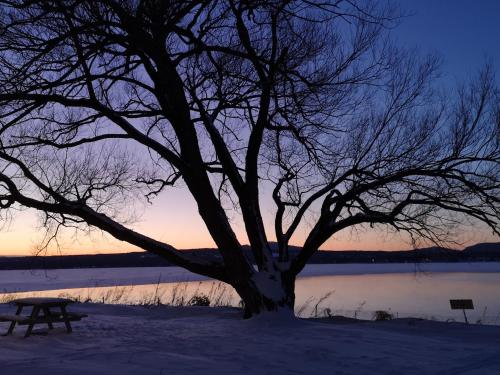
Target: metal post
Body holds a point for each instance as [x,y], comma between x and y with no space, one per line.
[465,316]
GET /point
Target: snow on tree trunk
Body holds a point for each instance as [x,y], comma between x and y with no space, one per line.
[267,292]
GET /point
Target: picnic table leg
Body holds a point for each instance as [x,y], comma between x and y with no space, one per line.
[66,319]
[13,324]
[34,315]
[46,313]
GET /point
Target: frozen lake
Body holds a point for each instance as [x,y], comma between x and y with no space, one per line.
[356,290]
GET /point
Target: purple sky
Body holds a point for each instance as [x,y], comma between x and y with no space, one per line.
[465,34]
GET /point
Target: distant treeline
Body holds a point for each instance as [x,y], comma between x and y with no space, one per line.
[485,252]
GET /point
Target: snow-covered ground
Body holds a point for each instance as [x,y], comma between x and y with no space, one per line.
[32,280]
[198,340]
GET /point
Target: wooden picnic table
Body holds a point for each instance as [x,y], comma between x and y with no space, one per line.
[42,313]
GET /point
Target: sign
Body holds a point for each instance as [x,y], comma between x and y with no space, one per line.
[461,304]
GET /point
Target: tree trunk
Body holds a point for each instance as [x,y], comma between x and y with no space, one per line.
[267,292]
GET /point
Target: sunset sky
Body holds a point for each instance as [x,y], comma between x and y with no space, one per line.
[465,34]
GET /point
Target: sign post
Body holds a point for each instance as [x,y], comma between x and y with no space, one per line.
[462,304]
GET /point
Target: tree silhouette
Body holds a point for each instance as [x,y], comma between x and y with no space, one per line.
[103,100]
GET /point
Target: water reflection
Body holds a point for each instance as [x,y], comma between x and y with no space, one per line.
[424,295]
[419,295]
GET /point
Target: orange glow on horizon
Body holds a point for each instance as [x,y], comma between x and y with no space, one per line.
[185,231]
[173,219]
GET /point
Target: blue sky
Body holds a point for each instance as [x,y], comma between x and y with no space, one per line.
[464,34]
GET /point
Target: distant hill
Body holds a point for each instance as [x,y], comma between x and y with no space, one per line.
[475,253]
[483,249]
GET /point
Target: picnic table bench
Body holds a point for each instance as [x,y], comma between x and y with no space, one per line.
[42,313]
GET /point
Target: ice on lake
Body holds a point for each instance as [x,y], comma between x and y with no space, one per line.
[404,290]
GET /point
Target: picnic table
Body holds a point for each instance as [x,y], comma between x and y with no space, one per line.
[42,313]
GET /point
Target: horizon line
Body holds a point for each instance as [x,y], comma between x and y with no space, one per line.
[246,245]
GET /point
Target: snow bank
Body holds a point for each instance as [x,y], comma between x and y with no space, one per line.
[134,340]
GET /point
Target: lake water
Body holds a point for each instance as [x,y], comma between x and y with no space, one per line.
[417,294]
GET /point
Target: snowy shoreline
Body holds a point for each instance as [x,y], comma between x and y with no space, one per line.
[133,340]
[37,280]
[124,339]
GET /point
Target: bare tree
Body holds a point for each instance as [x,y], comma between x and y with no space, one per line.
[306,99]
